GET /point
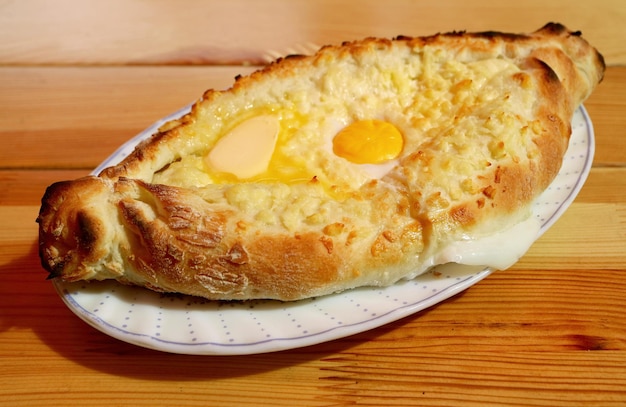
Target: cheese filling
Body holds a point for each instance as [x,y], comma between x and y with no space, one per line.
[459,115]
[499,251]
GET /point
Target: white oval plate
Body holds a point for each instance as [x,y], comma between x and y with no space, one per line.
[189,325]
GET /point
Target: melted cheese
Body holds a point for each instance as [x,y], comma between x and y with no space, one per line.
[499,251]
[246,150]
[451,111]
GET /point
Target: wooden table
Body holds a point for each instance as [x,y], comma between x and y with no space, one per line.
[78,78]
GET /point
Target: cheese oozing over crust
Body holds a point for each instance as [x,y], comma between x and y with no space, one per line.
[500,250]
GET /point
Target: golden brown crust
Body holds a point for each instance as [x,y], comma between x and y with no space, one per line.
[204,240]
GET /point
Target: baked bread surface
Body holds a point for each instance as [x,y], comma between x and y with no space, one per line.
[485,122]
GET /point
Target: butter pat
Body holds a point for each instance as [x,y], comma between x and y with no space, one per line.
[247,149]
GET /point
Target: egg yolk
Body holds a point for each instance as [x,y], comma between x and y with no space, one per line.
[368,142]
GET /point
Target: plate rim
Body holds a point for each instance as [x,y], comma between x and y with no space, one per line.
[337,332]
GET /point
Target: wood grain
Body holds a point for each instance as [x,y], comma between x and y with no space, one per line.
[213,32]
[79,78]
[609,239]
[606,107]
[47,107]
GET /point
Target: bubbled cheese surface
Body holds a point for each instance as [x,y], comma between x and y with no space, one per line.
[458,116]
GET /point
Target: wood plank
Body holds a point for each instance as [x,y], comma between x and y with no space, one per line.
[412,377]
[550,331]
[26,187]
[606,107]
[598,230]
[50,120]
[239,31]
[604,185]
[521,379]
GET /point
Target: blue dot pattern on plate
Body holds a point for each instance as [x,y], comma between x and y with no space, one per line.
[182,324]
